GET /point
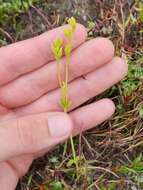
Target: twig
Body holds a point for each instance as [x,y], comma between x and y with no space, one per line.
[104,169]
[43,16]
[7,35]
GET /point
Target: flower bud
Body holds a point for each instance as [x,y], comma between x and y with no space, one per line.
[72,23]
[67,50]
[57,49]
[68,32]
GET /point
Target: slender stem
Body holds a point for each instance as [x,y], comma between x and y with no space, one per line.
[59,73]
[67,75]
[73,152]
[72,146]
[65,109]
[66,69]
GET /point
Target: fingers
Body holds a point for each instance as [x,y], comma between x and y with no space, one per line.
[88,116]
[33,133]
[91,115]
[85,59]
[81,89]
[26,140]
[22,57]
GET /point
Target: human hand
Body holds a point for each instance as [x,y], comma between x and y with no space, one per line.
[31,121]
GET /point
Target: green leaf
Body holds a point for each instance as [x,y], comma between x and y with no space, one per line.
[141,112]
[141,12]
[73,161]
[110,186]
[70,163]
[54,160]
[137,164]
[135,167]
[126,170]
[56,185]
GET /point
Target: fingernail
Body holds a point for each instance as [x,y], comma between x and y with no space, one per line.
[60,125]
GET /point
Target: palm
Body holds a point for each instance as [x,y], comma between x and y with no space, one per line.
[29,84]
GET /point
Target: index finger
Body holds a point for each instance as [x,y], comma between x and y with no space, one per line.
[28,55]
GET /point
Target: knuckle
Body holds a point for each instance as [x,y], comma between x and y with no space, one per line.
[26,136]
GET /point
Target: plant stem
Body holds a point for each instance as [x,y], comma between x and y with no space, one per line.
[66,69]
[67,75]
[59,73]
[73,152]
[65,109]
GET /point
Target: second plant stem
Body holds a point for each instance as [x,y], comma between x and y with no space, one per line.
[66,81]
[59,73]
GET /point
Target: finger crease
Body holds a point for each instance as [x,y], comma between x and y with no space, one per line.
[15,169]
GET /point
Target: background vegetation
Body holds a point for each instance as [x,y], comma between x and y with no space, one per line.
[110,155]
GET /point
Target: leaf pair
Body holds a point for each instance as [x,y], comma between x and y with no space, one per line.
[68,32]
[57,49]
[65,103]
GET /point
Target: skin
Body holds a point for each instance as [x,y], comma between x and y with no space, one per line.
[31,122]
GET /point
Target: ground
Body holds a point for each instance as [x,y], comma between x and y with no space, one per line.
[110,155]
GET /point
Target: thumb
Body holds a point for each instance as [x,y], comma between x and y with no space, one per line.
[33,133]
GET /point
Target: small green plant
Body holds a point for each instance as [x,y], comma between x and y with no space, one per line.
[136,166]
[56,185]
[140,10]
[110,186]
[141,112]
[132,81]
[134,170]
[8,8]
[54,161]
[59,48]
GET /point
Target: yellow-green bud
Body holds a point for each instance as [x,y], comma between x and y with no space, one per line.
[67,50]
[57,48]
[68,32]
[57,42]
[72,23]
